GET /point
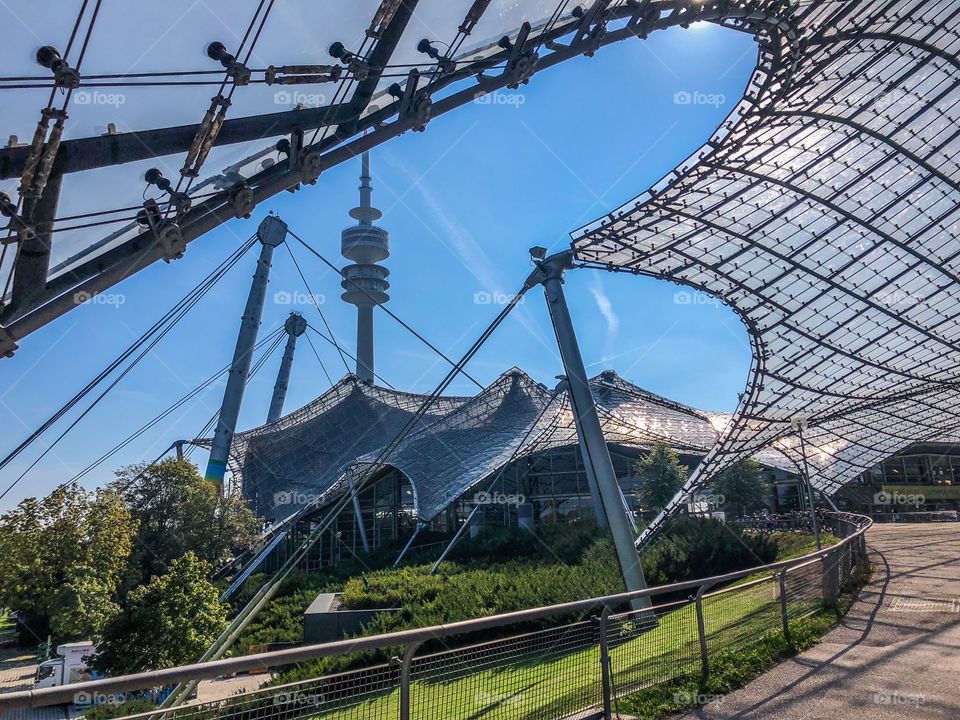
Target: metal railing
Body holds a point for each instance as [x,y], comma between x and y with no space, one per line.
[545,663]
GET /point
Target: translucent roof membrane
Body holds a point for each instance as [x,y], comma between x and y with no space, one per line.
[459,443]
[825,212]
[144,66]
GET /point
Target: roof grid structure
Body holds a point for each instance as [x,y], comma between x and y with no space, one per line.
[304,457]
[291,461]
[132,112]
[825,212]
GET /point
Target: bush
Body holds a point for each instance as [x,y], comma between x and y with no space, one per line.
[281,620]
[695,547]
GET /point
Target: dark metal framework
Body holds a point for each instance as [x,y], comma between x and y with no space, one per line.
[363,101]
[825,212]
[305,458]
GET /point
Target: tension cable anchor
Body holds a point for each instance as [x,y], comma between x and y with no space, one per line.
[446,65]
[168,234]
[64,76]
[179,201]
[236,71]
[357,66]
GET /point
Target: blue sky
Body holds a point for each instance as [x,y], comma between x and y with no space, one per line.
[463,201]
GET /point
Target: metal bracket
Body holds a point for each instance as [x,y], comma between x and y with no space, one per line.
[23,229]
[241,200]
[7,344]
[413,108]
[522,62]
[311,164]
[169,237]
[171,241]
[593,27]
[644,19]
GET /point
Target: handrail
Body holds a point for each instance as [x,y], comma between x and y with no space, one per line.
[209,670]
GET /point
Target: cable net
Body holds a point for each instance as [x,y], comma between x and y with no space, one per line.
[305,456]
[825,213]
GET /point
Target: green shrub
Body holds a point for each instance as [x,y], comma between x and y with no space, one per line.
[693,547]
[107,711]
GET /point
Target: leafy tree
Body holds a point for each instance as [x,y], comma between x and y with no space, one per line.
[62,559]
[169,621]
[661,476]
[83,604]
[742,486]
[180,511]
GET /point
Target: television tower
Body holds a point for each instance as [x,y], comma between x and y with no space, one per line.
[364,282]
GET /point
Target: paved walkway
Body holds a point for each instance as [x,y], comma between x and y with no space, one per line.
[895,656]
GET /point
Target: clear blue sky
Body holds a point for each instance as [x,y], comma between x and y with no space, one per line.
[463,202]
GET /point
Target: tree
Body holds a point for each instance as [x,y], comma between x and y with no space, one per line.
[661,476]
[62,559]
[180,511]
[169,621]
[741,486]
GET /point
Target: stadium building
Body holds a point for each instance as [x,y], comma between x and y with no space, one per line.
[508,455]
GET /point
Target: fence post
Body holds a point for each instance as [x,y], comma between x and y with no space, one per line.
[405,666]
[606,680]
[829,570]
[702,632]
[783,605]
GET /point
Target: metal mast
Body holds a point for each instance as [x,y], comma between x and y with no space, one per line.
[365,283]
[295,326]
[596,459]
[271,232]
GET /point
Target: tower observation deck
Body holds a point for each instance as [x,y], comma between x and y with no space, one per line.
[365,282]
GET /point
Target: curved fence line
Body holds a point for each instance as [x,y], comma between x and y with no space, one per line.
[569,658]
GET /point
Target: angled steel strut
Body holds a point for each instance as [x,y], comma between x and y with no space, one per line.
[597,462]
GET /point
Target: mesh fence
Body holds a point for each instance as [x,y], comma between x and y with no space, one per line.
[645,651]
[575,664]
[737,617]
[539,675]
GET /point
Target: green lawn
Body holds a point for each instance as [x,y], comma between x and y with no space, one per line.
[557,671]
